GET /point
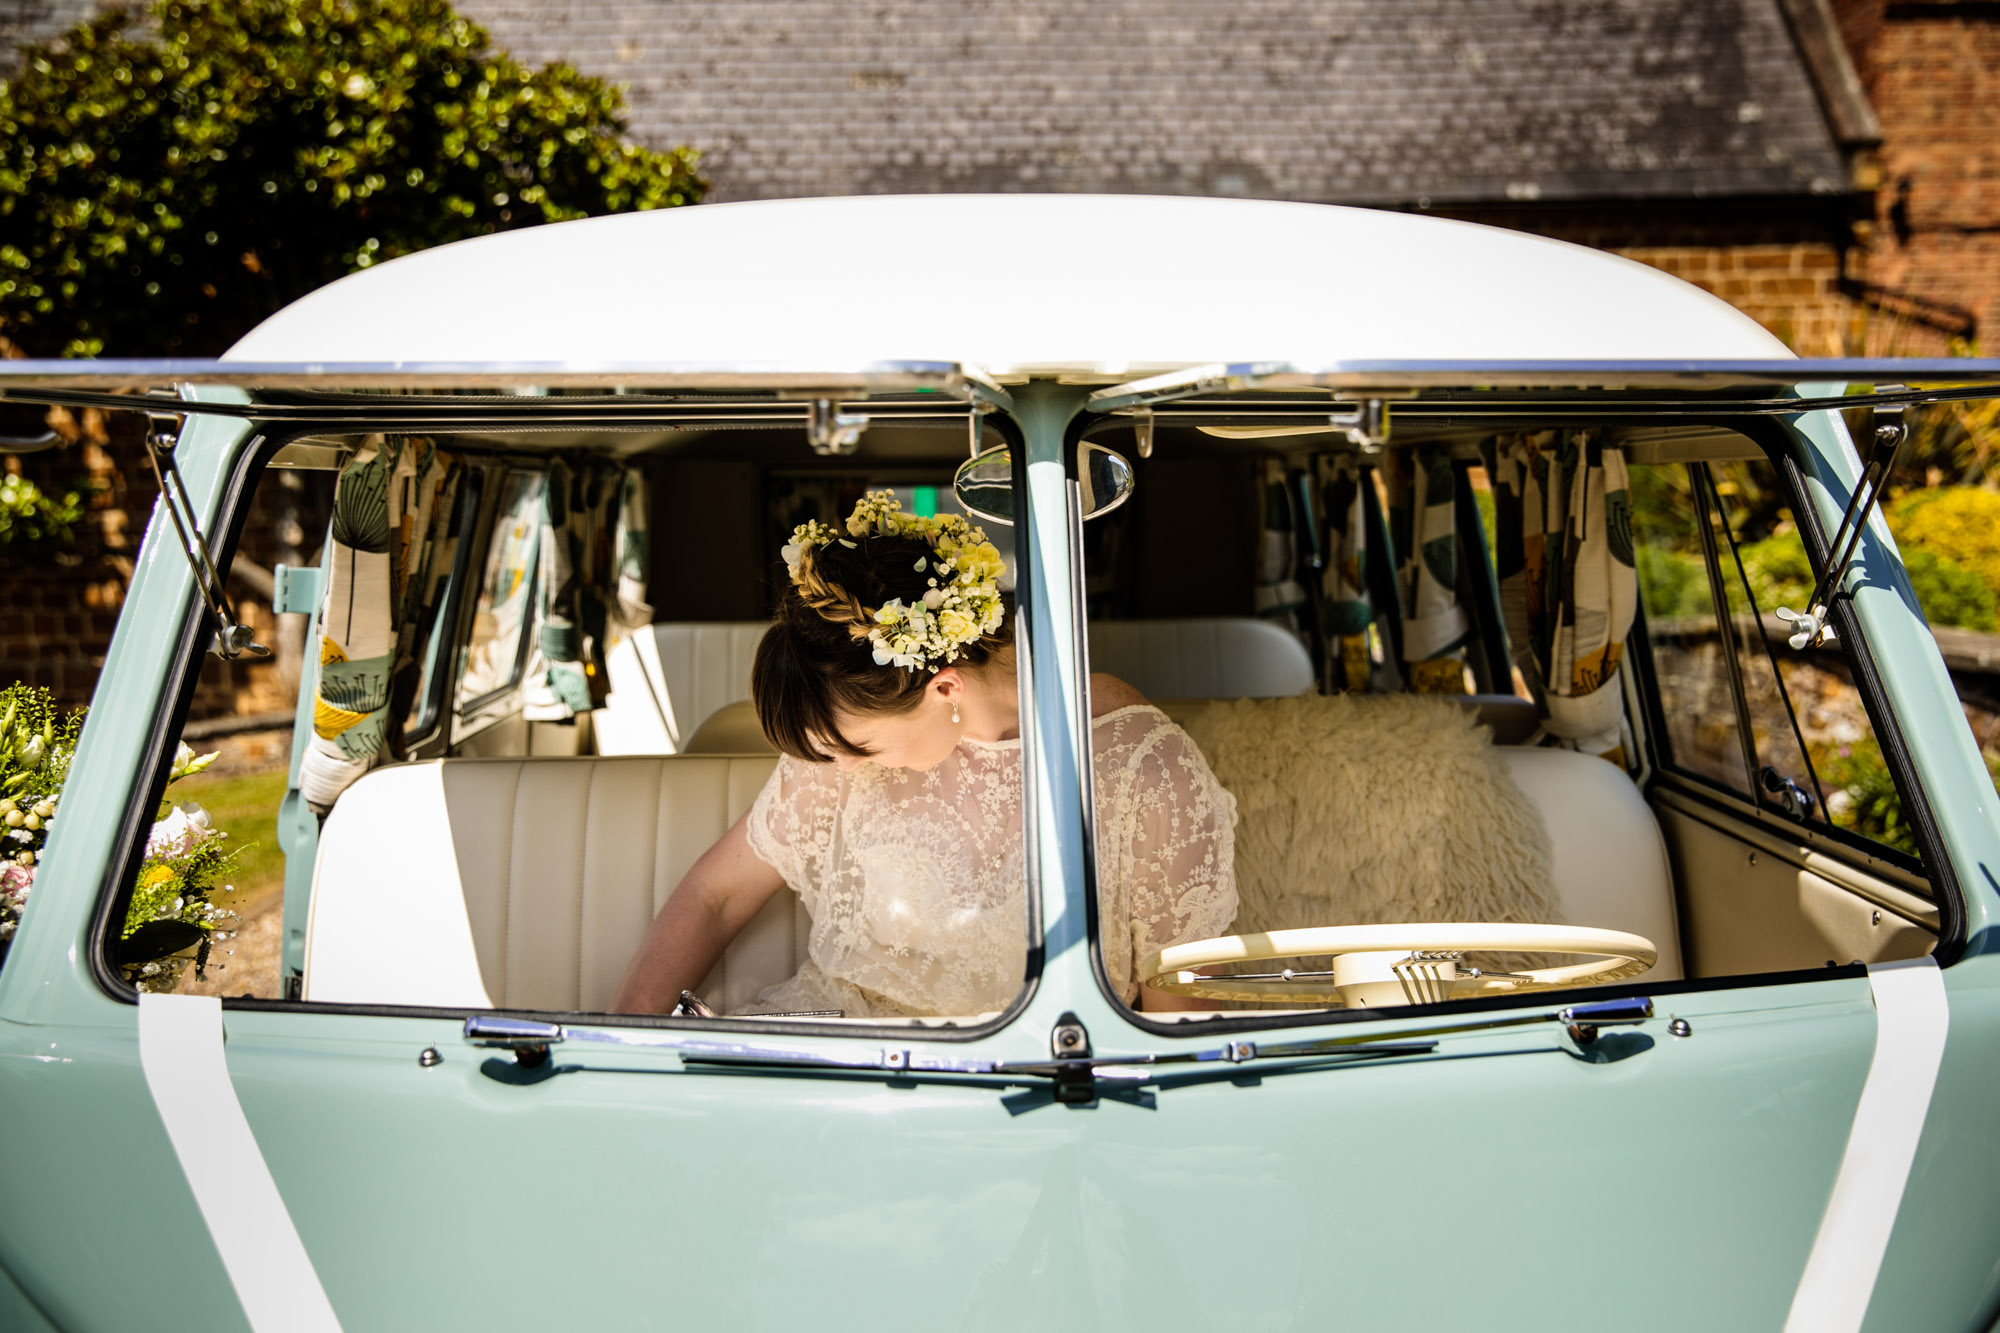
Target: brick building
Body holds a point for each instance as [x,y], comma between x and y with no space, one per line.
[1832,167]
[1931,71]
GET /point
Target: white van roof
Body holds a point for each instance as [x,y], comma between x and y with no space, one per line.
[1091,288]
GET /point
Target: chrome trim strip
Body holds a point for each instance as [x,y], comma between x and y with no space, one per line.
[1376,376]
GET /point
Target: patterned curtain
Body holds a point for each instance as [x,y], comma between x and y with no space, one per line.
[1278,595]
[1424,528]
[1349,610]
[593,581]
[392,511]
[1563,539]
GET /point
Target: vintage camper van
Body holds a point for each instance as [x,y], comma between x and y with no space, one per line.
[1559,980]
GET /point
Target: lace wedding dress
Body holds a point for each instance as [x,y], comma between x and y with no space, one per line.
[915,881]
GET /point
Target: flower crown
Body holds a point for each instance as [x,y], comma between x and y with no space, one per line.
[962,604]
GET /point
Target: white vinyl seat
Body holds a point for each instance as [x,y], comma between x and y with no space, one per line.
[668,679]
[1213,658]
[527,883]
[1610,858]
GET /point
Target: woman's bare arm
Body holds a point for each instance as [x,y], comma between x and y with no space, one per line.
[712,903]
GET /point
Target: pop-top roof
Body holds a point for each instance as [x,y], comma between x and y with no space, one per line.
[1098,288]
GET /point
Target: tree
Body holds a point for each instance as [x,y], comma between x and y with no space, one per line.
[165,186]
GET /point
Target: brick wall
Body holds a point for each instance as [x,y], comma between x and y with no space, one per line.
[58,611]
[1792,290]
[1932,72]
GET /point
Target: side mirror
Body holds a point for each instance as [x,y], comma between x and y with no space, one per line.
[985,483]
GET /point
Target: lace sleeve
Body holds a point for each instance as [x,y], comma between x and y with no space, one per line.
[791,823]
[1166,854]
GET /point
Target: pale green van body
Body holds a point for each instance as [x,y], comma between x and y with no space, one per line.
[1500,1182]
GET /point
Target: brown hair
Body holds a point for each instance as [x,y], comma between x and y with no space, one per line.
[816,658]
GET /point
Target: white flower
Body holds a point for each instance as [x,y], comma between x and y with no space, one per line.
[184,826]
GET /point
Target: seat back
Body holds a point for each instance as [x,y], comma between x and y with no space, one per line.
[527,883]
[670,678]
[666,682]
[1609,858]
[1215,658]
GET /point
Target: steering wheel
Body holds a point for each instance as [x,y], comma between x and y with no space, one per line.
[1419,963]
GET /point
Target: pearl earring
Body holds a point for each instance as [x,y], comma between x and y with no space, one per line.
[954,714]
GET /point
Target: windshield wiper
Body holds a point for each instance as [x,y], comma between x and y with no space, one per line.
[1073,1076]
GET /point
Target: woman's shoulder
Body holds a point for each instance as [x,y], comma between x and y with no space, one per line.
[1108,694]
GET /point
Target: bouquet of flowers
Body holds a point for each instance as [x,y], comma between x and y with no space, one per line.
[171,920]
[170,914]
[36,741]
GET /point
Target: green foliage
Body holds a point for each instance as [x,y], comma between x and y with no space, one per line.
[163,192]
[1861,796]
[32,520]
[37,739]
[1779,573]
[1672,585]
[1949,593]
[247,805]
[1960,523]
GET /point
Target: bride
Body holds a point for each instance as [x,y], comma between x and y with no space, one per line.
[895,808]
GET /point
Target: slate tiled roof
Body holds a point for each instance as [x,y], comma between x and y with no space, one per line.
[1351,101]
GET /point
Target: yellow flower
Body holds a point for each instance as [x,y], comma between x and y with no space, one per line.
[958,627]
[155,876]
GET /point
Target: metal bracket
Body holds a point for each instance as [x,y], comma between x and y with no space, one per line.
[1142,431]
[232,637]
[1809,627]
[1366,427]
[833,433]
[295,589]
[1075,1083]
[1582,1021]
[1796,800]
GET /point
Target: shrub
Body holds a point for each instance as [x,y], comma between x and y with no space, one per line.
[1779,573]
[1672,585]
[1959,523]
[1949,593]
[164,186]
[32,520]
[1861,796]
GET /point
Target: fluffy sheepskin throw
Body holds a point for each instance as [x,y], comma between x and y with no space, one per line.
[1368,809]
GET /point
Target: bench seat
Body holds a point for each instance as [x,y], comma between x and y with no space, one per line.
[528,883]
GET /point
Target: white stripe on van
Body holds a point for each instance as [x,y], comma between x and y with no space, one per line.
[1911,1015]
[180,1049]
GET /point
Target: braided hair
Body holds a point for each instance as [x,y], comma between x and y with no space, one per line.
[816,660]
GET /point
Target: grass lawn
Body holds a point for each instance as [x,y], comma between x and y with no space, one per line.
[246,808]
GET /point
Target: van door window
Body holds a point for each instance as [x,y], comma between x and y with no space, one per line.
[497,646]
[1734,698]
[1703,732]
